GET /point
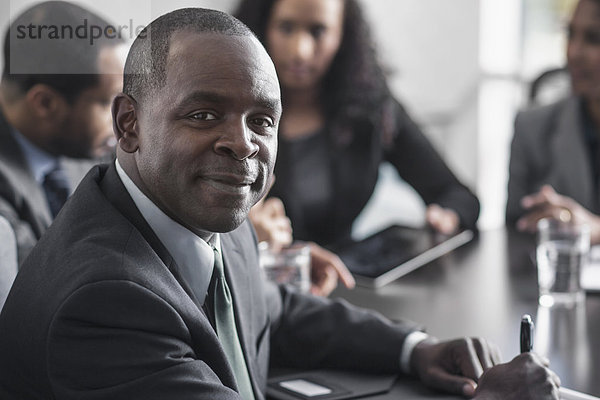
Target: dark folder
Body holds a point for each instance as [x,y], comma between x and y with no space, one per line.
[328,384]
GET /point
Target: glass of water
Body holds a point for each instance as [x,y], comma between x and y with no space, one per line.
[290,265]
[562,251]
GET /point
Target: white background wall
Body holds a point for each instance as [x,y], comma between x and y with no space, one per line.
[434,49]
[431,47]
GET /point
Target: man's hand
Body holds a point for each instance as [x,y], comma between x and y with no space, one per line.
[549,204]
[271,223]
[326,269]
[525,377]
[443,220]
[453,366]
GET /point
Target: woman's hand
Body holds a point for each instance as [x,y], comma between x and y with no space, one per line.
[443,220]
[271,223]
[326,269]
[547,203]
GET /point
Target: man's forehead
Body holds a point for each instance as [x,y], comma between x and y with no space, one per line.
[192,43]
[211,57]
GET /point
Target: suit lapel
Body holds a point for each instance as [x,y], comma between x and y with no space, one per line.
[16,169]
[572,169]
[116,193]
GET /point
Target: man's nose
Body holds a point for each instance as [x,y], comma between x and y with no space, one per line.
[237,142]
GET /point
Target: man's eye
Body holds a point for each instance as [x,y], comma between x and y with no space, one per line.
[203,116]
[263,122]
[592,38]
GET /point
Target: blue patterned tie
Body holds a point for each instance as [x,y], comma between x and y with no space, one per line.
[56,186]
[226,329]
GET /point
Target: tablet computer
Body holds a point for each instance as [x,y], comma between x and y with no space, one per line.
[395,251]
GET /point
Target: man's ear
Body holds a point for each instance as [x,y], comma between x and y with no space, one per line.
[125,125]
[45,102]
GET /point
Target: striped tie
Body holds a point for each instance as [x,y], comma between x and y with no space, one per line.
[56,186]
[226,330]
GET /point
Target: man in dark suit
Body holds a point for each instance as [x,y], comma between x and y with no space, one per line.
[55,98]
[125,297]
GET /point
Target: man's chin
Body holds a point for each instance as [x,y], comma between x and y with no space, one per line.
[234,222]
[226,222]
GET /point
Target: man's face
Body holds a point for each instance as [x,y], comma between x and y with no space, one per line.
[86,129]
[583,50]
[208,137]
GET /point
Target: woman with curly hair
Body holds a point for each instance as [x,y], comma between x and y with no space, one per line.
[340,122]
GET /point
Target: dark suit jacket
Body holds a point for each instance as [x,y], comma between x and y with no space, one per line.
[22,200]
[100,311]
[358,147]
[549,147]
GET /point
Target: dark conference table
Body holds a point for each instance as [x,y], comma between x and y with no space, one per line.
[483,289]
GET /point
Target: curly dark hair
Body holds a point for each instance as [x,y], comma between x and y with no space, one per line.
[355,84]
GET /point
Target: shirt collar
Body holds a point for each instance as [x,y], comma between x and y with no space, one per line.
[193,255]
[40,162]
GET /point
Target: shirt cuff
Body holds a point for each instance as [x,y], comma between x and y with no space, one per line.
[411,340]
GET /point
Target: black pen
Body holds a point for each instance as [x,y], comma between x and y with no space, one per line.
[527,346]
[526,334]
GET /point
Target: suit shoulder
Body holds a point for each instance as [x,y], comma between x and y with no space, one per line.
[541,115]
[8,186]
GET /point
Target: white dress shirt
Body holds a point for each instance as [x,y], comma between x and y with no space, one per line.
[410,342]
[193,255]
